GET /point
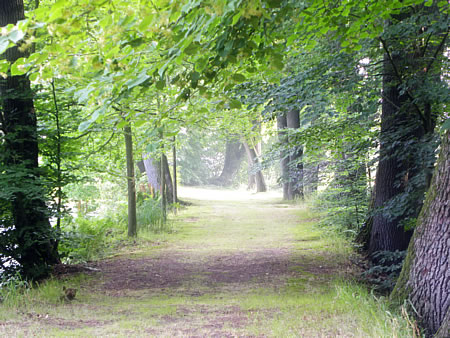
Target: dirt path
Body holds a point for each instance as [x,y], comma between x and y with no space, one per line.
[235,246]
[230,247]
[239,265]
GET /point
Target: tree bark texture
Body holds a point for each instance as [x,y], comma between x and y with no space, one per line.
[425,277]
[234,153]
[295,187]
[35,239]
[387,233]
[169,191]
[253,161]
[284,156]
[411,69]
[132,219]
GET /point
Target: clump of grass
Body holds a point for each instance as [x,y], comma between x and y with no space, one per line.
[17,293]
[376,316]
[13,291]
[150,216]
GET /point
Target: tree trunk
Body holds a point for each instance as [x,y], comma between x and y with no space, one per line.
[407,124]
[175,184]
[35,239]
[233,159]
[425,277]
[387,233]
[254,162]
[162,176]
[169,191]
[284,161]
[132,220]
[295,187]
[444,330]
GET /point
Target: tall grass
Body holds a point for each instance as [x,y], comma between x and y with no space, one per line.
[150,216]
[13,290]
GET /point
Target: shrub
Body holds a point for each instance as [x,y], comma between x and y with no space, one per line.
[87,239]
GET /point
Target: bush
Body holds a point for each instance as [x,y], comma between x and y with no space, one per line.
[87,239]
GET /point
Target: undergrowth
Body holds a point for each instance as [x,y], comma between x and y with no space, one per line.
[85,238]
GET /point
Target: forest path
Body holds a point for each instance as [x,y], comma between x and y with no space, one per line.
[240,264]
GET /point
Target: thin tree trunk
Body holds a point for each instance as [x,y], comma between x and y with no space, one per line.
[59,193]
[132,220]
[175,187]
[169,191]
[163,187]
[425,277]
[284,161]
[295,187]
[253,161]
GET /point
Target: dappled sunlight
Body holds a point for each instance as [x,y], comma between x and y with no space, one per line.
[217,194]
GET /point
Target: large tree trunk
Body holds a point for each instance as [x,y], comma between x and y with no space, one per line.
[35,240]
[425,278]
[132,220]
[253,161]
[295,187]
[407,124]
[387,234]
[284,161]
[234,154]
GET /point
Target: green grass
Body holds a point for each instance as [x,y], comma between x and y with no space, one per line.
[316,298]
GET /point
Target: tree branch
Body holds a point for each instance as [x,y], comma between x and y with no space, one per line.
[437,51]
[401,82]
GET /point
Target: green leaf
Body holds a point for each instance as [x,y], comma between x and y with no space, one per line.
[122,124]
[34,76]
[4,43]
[84,125]
[139,123]
[201,64]
[146,22]
[4,66]
[16,35]
[239,77]
[278,63]
[16,69]
[446,125]
[235,104]
[236,18]
[141,78]
[160,84]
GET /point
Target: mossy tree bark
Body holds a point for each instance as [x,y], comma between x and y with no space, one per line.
[425,277]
